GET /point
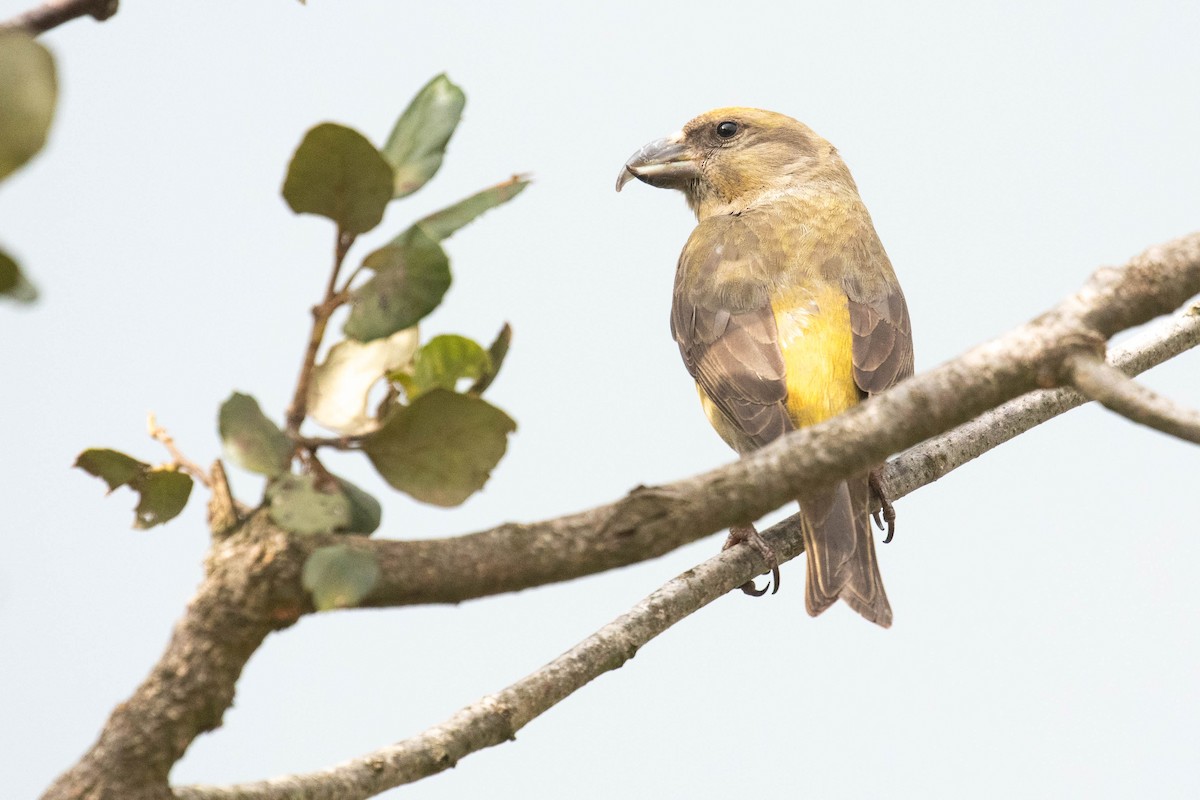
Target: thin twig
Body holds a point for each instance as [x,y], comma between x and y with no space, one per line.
[159,434]
[321,313]
[1112,388]
[55,12]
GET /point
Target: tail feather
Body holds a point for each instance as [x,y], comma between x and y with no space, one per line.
[841,552]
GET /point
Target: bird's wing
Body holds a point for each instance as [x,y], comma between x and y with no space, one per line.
[722,320]
[883,347]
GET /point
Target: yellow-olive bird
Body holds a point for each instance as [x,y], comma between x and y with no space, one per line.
[787,312]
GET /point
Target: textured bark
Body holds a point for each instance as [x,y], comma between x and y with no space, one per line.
[253,582]
[252,587]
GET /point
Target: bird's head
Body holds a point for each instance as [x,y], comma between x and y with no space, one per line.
[731,158]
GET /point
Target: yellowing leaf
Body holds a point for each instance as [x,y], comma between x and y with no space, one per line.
[442,362]
[341,385]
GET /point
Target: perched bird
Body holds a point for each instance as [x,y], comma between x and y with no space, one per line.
[787,312]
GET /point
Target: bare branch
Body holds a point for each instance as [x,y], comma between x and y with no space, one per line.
[1113,389]
[53,13]
[931,460]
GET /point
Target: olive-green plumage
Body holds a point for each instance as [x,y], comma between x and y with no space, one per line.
[786,311]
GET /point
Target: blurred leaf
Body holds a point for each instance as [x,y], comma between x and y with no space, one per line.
[440,225]
[409,282]
[299,505]
[163,491]
[339,576]
[338,174]
[496,354]
[111,466]
[12,283]
[440,449]
[252,440]
[418,141]
[28,91]
[341,386]
[441,362]
[365,511]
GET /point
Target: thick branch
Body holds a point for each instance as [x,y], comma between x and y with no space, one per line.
[55,12]
[252,588]
[1107,385]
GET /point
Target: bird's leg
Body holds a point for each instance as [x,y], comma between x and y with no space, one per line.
[747,534]
[885,505]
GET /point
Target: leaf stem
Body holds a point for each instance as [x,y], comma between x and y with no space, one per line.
[321,313]
[159,434]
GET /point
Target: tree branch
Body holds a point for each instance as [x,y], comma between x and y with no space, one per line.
[1112,388]
[496,718]
[253,582]
[53,13]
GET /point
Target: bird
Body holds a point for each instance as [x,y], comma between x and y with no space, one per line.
[787,312]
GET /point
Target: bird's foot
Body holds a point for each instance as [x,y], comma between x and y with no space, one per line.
[747,534]
[885,506]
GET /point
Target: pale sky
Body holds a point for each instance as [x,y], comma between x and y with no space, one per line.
[1046,640]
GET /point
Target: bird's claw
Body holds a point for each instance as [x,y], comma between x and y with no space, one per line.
[885,507]
[748,535]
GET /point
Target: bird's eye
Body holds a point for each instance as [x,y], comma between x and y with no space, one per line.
[727,129]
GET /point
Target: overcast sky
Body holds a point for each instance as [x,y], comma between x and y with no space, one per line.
[1046,640]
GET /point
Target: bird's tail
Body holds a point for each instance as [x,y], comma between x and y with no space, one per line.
[836,525]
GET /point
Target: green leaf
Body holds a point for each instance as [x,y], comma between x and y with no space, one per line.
[342,384]
[163,491]
[28,92]
[12,283]
[409,282]
[111,466]
[418,141]
[496,354]
[365,511]
[338,174]
[441,224]
[252,440]
[441,362]
[440,449]
[299,505]
[339,576]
